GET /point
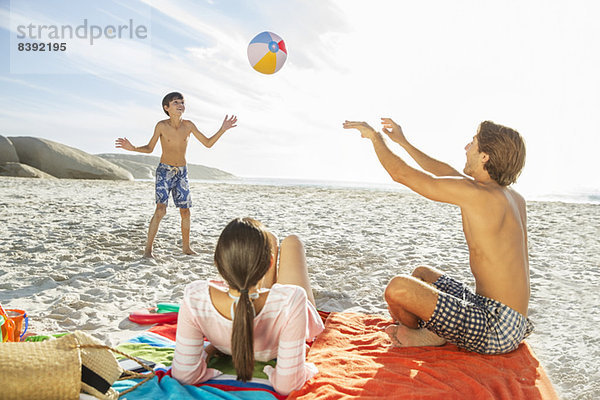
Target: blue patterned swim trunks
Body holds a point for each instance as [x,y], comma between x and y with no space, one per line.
[173,179]
[475,322]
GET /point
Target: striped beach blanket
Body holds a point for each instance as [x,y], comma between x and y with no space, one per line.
[158,346]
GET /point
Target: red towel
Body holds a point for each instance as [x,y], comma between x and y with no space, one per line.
[355,359]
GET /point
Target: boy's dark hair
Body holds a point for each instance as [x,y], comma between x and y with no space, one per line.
[506,149]
[243,257]
[169,98]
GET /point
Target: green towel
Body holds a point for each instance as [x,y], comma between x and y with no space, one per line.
[41,338]
[159,355]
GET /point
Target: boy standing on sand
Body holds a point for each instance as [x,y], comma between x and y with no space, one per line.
[431,307]
[171,173]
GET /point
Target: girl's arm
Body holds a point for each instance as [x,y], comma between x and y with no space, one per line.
[189,362]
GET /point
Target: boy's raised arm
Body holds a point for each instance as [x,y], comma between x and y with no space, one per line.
[429,164]
[125,144]
[227,124]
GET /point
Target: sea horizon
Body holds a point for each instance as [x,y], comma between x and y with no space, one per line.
[574,196]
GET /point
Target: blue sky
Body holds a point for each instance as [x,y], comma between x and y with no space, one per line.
[438,68]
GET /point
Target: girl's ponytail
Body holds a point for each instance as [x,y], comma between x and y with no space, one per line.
[242,337]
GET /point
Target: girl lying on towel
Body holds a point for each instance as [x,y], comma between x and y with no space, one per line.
[260,312]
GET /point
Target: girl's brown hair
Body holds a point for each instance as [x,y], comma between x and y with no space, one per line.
[506,149]
[243,257]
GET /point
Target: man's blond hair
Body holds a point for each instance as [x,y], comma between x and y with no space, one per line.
[506,150]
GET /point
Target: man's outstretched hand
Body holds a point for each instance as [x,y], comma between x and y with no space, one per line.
[393,131]
[365,129]
[123,143]
[229,123]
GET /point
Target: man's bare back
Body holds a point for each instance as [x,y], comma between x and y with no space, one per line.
[495,230]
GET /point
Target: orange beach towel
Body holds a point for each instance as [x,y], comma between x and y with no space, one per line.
[355,359]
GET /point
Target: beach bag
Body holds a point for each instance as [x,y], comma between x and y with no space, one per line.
[60,369]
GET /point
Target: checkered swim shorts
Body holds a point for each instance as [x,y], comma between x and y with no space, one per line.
[174,180]
[475,322]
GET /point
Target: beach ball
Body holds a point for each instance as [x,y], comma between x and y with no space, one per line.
[267,53]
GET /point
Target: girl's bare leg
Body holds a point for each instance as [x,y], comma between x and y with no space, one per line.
[292,265]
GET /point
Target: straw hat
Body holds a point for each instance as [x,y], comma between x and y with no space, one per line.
[99,367]
[58,369]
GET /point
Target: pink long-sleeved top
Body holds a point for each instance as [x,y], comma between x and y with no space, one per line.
[281,328]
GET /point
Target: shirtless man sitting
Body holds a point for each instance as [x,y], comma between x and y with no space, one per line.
[171,173]
[429,307]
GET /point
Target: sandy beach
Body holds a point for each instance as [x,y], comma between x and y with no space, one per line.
[70,255]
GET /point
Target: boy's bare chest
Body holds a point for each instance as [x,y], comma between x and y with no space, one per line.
[176,135]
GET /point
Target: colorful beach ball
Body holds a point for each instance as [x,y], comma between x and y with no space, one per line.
[267,53]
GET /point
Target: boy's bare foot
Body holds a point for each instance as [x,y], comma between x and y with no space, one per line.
[189,252]
[403,336]
[148,254]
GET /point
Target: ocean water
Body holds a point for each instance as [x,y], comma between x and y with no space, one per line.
[589,196]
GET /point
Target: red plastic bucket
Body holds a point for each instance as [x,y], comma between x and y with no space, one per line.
[17,317]
[7,327]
